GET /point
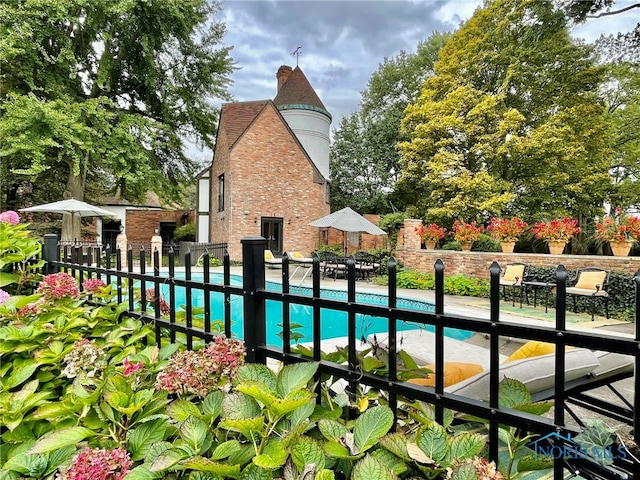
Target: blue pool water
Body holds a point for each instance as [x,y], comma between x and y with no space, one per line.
[333,322]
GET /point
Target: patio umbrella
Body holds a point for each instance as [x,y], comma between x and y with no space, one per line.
[74,208]
[348,220]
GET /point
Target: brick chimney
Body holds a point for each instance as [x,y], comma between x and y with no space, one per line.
[283,73]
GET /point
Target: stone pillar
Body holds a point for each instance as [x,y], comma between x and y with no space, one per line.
[411,240]
[121,243]
[156,244]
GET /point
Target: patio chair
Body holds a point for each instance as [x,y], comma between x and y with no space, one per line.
[533,365]
[333,265]
[513,276]
[270,260]
[366,265]
[590,283]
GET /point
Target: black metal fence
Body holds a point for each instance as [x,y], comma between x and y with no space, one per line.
[254,293]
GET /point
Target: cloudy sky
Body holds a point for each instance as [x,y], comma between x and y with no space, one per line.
[343,42]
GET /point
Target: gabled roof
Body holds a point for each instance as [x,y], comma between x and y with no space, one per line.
[298,91]
[238,117]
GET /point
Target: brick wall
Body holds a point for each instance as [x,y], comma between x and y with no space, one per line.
[476,264]
[267,174]
[141,224]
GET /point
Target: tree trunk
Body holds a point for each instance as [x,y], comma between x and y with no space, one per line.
[71,227]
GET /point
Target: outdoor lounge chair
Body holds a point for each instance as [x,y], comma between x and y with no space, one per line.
[513,276]
[302,262]
[590,283]
[585,370]
[270,260]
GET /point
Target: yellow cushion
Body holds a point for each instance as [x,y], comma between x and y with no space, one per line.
[589,280]
[532,349]
[268,255]
[454,372]
[513,271]
[297,255]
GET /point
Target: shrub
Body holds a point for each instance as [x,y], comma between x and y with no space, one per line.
[185,233]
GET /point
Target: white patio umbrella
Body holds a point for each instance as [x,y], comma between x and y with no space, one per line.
[74,208]
[348,220]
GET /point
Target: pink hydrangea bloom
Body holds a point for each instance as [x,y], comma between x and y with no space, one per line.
[131,367]
[93,285]
[198,373]
[59,285]
[4,296]
[9,217]
[151,299]
[30,309]
[99,464]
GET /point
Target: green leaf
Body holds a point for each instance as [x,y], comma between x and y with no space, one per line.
[254,472]
[249,427]
[294,377]
[141,438]
[371,425]
[180,410]
[20,374]
[530,463]
[396,444]
[237,405]
[225,449]
[389,460]
[257,373]
[61,438]
[194,432]
[332,430]
[432,440]
[202,464]
[273,455]
[370,469]
[465,445]
[512,393]
[168,459]
[142,472]
[464,472]
[325,475]
[307,451]
[212,404]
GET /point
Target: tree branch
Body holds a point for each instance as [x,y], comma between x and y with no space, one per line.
[615,12]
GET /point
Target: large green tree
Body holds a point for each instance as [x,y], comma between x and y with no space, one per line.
[510,123]
[106,92]
[365,162]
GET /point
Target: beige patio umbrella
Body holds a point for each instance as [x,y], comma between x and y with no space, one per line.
[349,221]
[74,209]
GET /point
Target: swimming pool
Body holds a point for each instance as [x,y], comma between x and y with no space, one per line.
[333,322]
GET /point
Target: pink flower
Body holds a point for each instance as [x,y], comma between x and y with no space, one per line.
[131,367]
[9,217]
[59,285]
[201,372]
[93,285]
[4,296]
[29,309]
[99,464]
[165,308]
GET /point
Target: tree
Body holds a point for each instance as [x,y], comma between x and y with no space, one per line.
[364,157]
[510,123]
[108,91]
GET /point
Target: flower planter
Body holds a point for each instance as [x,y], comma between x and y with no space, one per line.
[430,245]
[466,246]
[556,247]
[507,247]
[621,249]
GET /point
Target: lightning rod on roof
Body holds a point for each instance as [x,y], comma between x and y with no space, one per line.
[297,53]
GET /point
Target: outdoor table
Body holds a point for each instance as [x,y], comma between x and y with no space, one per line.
[547,286]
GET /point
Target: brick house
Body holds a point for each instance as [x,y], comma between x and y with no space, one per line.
[270,171]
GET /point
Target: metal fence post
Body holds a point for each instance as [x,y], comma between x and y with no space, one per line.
[50,253]
[253,279]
